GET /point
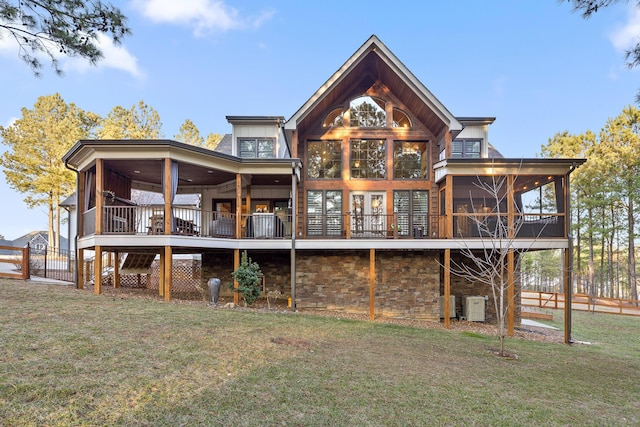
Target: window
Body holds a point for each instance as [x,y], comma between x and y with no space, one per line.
[324,159]
[333,119]
[257,148]
[410,160]
[367,112]
[400,119]
[324,213]
[368,158]
[412,210]
[466,148]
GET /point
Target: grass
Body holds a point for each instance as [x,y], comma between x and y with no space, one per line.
[69,357]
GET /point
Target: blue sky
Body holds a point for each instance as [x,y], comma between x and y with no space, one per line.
[535,65]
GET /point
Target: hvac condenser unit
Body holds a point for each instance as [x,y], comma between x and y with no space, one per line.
[452,306]
[474,309]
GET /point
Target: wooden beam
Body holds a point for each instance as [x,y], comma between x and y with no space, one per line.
[80,207]
[99,194]
[372,283]
[80,267]
[168,228]
[97,271]
[116,270]
[447,288]
[448,206]
[238,224]
[162,269]
[236,264]
[511,301]
[168,264]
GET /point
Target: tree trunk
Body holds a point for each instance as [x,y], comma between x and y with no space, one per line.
[632,251]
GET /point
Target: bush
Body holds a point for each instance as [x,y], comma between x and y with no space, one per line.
[248,276]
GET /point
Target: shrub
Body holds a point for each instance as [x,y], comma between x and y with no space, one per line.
[248,276]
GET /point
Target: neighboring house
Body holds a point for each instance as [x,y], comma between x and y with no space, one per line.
[37,241]
[354,203]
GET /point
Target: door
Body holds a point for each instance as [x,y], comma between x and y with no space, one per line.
[368,214]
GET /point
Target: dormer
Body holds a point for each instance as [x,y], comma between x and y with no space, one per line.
[258,137]
[472,142]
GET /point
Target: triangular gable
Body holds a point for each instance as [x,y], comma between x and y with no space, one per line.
[373,44]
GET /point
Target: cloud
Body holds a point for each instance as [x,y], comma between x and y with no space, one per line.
[203,16]
[627,36]
[114,56]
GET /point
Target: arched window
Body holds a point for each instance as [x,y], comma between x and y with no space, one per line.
[400,119]
[367,112]
[333,119]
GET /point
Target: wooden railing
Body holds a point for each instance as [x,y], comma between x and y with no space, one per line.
[21,259]
[582,302]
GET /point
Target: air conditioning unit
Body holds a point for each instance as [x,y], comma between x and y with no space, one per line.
[452,306]
[474,309]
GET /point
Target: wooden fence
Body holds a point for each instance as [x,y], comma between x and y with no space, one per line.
[21,259]
[581,302]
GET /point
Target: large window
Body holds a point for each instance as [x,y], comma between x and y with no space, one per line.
[368,158]
[412,210]
[367,112]
[324,213]
[257,148]
[466,148]
[324,159]
[410,160]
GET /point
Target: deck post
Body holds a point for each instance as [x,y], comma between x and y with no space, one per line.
[168,266]
[372,283]
[116,270]
[236,264]
[510,292]
[162,270]
[447,288]
[97,271]
[80,267]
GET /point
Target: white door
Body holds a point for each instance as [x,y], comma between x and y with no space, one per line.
[368,214]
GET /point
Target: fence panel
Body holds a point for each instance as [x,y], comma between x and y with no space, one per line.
[581,302]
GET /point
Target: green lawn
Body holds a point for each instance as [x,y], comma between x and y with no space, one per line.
[69,357]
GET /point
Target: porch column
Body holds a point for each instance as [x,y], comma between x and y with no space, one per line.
[97,271]
[99,195]
[294,229]
[510,292]
[568,262]
[448,207]
[167,191]
[238,224]
[168,265]
[372,283]
[447,288]
[511,231]
[80,206]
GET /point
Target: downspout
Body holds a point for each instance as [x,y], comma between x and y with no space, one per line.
[75,238]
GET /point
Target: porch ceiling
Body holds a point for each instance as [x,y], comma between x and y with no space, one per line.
[150,171]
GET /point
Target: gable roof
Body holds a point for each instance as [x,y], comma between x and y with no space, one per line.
[373,61]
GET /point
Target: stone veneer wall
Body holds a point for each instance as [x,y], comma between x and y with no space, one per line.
[276,267]
[461,288]
[407,282]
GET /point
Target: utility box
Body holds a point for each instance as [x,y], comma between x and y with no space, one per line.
[452,306]
[474,309]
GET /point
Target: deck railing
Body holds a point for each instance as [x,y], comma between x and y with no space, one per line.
[198,222]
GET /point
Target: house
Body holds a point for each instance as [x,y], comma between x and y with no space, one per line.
[359,201]
[37,240]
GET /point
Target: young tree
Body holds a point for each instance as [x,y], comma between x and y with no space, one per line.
[37,142]
[138,122]
[60,27]
[497,263]
[189,134]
